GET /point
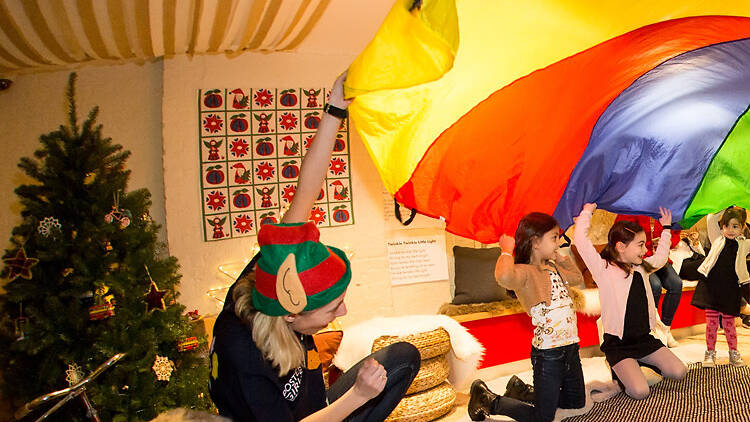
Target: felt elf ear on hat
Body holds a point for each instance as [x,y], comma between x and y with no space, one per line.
[295,272]
[289,288]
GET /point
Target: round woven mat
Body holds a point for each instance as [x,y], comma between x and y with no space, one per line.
[431,373]
[430,343]
[425,406]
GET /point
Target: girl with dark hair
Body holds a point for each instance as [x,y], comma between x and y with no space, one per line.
[726,280]
[541,279]
[665,277]
[628,311]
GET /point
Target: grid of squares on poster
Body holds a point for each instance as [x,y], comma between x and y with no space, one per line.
[252,141]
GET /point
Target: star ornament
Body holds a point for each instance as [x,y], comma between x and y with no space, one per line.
[155,298]
[20,265]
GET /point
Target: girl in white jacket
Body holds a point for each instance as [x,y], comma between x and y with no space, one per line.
[726,280]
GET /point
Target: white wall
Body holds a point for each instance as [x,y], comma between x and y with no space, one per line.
[370,293]
[143,105]
[129,100]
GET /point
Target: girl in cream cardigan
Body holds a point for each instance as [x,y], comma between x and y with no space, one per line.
[540,278]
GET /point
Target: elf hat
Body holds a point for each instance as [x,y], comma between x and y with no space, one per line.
[296,272]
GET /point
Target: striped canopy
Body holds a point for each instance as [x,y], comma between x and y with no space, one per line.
[40,34]
[481,112]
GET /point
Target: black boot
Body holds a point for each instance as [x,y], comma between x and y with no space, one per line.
[480,401]
[746,321]
[519,390]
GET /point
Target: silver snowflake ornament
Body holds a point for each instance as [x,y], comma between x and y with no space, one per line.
[48,226]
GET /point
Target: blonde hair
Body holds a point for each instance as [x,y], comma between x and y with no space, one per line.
[274,336]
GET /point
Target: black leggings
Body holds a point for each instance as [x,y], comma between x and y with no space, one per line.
[401,362]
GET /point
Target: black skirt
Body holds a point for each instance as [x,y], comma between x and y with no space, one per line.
[689,268]
[720,291]
[637,341]
[616,350]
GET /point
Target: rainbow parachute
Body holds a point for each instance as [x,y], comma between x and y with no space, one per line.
[482,111]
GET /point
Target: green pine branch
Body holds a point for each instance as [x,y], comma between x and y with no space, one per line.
[76,175]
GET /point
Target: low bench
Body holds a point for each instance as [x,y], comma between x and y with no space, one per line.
[506,335]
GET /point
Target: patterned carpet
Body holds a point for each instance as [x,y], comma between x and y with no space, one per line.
[720,394]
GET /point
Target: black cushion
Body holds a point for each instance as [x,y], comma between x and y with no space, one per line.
[475,276]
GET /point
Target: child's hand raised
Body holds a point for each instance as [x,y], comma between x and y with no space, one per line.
[507,243]
[587,207]
[590,207]
[666,216]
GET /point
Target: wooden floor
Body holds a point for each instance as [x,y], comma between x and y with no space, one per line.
[743,342]
[691,335]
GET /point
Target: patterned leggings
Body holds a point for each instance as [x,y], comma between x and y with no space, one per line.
[712,325]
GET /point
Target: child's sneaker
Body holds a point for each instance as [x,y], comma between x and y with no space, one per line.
[735,359]
[709,359]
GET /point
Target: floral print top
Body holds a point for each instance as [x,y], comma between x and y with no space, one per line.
[555,324]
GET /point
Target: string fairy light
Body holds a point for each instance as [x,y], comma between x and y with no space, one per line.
[231,270]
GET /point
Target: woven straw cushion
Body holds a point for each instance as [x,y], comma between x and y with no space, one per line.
[425,406]
[430,343]
[431,373]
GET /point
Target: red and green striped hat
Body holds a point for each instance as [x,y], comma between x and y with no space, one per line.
[323,271]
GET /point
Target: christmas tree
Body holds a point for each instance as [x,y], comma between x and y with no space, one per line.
[88,279]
